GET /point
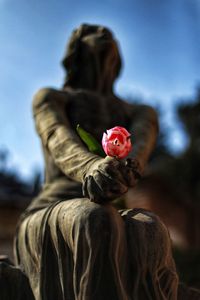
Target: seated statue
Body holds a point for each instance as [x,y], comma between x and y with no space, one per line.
[71,242]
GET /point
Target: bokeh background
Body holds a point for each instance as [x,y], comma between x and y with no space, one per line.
[160,48]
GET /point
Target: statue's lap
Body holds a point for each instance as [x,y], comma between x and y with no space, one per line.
[71,216]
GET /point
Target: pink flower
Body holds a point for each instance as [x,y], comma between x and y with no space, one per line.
[116,142]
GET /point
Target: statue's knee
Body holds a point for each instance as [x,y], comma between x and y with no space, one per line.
[95,219]
[82,217]
[148,226]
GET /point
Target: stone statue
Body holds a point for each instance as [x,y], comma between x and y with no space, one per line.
[71,242]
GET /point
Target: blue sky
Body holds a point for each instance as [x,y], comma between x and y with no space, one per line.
[159,42]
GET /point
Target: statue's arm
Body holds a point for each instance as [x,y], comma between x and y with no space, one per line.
[103,179]
[54,129]
[144,129]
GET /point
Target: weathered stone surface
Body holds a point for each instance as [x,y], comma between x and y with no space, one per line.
[14,285]
[91,251]
[186,293]
[68,246]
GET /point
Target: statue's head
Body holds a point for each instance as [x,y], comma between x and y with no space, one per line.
[92,59]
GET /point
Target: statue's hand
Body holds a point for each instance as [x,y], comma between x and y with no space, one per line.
[108,179]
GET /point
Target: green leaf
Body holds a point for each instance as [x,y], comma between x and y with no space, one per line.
[90,141]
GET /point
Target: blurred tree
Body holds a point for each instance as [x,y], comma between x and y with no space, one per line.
[36,182]
[15,191]
[4,155]
[181,172]
[189,162]
[172,186]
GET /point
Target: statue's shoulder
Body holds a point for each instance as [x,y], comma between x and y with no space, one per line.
[134,107]
[48,95]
